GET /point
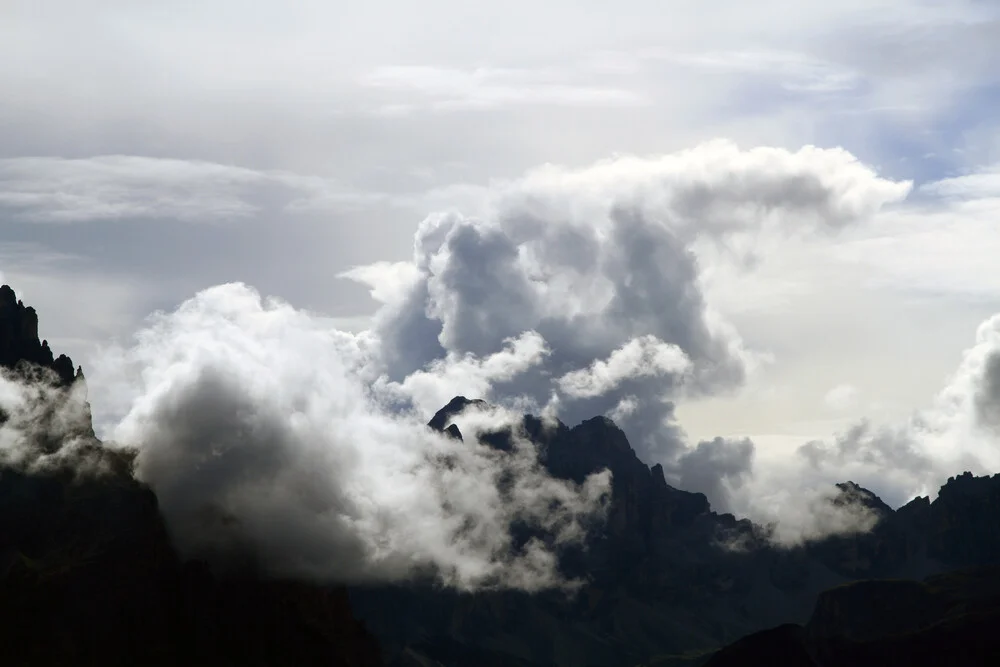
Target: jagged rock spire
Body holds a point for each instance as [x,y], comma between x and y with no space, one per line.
[19,341]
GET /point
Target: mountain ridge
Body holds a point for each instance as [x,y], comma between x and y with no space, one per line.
[660,578]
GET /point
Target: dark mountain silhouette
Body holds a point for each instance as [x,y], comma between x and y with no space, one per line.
[20,347]
[947,619]
[88,575]
[665,575]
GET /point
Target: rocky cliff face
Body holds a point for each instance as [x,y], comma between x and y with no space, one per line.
[20,347]
[665,574]
[88,575]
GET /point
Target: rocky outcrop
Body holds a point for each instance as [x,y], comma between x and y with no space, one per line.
[967,506]
[19,343]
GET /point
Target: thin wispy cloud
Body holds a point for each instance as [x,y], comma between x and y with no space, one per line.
[414,87]
[797,72]
[117,187]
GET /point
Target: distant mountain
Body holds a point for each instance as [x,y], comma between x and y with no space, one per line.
[947,619]
[88,575]
[667,576]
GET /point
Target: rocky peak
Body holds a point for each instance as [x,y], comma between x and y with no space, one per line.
[968,485]
[850,493]
[19,341]
[31,359]
[604,431]
[658,477]
[442,418]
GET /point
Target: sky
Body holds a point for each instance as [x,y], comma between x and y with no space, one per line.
[829,174]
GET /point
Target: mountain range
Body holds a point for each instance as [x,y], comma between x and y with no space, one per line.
[667,576]
[88,574]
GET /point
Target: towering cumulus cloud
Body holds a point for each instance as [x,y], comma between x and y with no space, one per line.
[602,263]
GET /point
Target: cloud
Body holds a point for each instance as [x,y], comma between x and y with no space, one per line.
[899,461]
[987,397]
[601,262]
[116,187]
[841,398]
[940,244]
[717,468]
[458,375]
[796,71]
[814,514]
[389,281]
[271,443]
[981,184]
[447,89]
[607,264]
[640,357]
[45,427]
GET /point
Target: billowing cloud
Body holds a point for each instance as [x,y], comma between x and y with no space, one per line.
[717,468]
[641,357]
[900,461]
[603,264]
[46,427]
[429,389]
[271,443]
[986,376]
[389,281]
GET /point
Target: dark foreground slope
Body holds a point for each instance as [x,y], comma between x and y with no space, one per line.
[88,575]
[948,619]
[667,576]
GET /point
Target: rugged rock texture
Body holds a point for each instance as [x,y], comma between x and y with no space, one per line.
[19,343]
[88,575]
[666,576]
